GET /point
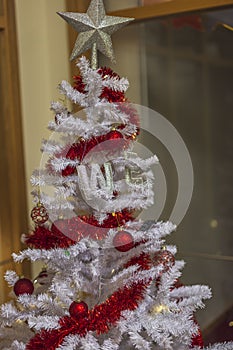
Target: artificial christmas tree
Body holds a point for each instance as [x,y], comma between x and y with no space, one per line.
[110,282]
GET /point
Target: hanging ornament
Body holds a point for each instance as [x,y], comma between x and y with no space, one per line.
[78,309]
[39,214]
[44,277]
[23,286]
[123,241]
[164,257]
[114,135]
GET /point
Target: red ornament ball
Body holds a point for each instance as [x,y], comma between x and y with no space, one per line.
[114,135]
[39,214]
[78,309]
[23,286]
[165,258]
[123,241]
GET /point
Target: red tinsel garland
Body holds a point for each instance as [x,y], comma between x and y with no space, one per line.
[107,93]
[80,149]
[102,316]
[99,319]
[111,95]
[144,261]
[197,340]
[43,238]
[66,232]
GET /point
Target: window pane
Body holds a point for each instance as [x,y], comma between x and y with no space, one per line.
[190,82]
[220,303]
[186,74]
[189,76]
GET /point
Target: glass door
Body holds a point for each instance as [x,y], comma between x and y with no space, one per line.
[189,73]
[182,67]
[178,57]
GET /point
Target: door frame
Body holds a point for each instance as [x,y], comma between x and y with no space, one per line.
[13,204]
[156,10]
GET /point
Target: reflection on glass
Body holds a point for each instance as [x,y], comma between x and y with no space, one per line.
[187,76]
[113,5]
[190,81]
[217,275]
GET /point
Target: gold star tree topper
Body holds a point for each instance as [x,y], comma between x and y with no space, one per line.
[95,29]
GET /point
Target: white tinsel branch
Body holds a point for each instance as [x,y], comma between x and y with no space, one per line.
[11,277]
[72,94]
[44,322]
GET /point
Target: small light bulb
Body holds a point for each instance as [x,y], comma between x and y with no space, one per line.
[213,223]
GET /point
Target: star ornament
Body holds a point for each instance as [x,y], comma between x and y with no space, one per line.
[94,28]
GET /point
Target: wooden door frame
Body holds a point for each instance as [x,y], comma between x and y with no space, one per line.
[156,10]
[171,8]
[13,208]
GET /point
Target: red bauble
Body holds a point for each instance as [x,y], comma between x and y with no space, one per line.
[165,258]
[39,214]
[114,135]
[78,309]
[23,286]
[123,241]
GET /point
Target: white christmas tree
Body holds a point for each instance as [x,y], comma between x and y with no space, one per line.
[109,282]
